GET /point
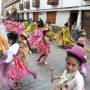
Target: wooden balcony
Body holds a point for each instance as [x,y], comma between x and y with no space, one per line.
[21,6]
[52,2]
[27,5]
[36,3]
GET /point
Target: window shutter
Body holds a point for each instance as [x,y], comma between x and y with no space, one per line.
[52,2]
[36,3]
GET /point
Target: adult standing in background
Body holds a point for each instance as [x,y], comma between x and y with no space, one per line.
[40,22]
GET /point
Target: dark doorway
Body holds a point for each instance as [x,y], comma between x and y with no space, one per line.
[73,17]
[86,22]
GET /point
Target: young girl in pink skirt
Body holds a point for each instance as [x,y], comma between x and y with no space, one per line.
[21,27]
[36,37]
[43,48]
[12,69]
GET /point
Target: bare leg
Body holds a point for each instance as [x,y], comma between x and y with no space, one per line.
[45,58]
[17,86]
[40,57]
[33,73]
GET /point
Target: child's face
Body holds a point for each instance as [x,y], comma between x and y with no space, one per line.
[72,65]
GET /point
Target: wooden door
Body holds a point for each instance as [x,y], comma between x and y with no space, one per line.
[35,16]
[51,17]
[86,22]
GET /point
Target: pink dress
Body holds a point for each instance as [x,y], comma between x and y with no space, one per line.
[21,28]
[12,70]
[43,46]
[36,37]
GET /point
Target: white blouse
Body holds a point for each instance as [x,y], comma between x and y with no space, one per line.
[77,83]
[13,50]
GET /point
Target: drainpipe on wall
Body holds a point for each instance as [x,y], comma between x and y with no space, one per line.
[79,19]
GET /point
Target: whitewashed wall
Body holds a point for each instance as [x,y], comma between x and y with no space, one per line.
[31,15]
[62,17]
[62,4]
[25,16]
[71,3]
[44,5]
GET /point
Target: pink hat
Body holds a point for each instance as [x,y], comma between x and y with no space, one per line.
[78,51]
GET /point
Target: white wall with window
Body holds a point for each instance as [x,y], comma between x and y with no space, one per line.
[62,17]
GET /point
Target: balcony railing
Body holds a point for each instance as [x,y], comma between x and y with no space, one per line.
[52,2]
[36,3]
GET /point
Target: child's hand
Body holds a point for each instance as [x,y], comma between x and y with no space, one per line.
[56,77]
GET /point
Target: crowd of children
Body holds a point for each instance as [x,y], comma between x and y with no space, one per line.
[75,67]
[13,53]
[12,67]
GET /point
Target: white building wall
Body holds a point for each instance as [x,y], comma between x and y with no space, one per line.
[71,3]
[31,15]
[74,3]
[61,4]
[25,16]
[44,5]
[62,17]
